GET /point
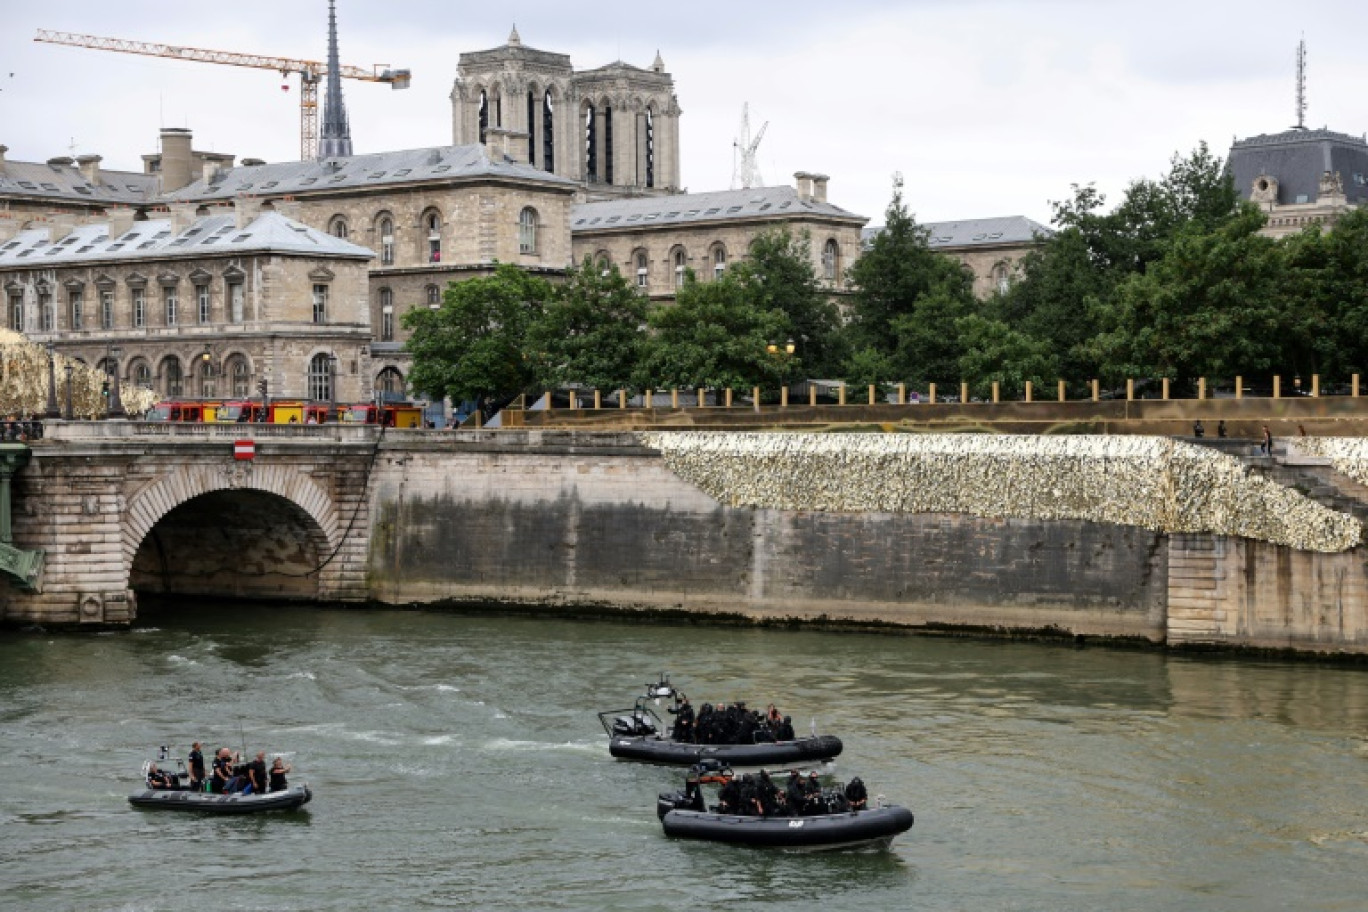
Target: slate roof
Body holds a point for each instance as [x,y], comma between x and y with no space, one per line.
[65,182]
[1298,158]
[684,208]
[1006,229]
[379,169]
[270,232]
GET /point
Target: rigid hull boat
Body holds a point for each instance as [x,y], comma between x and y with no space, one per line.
[290,799]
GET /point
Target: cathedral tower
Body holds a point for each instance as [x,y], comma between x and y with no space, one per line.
[335,141]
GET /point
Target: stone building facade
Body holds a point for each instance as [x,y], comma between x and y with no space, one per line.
[990,249]
[1301,177]
[199,307]
[656,241]
[614,129]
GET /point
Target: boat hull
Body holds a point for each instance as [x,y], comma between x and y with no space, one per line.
[292,798]
[767,755]
[873,827]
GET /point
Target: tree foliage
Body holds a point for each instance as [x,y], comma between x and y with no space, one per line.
[591,331]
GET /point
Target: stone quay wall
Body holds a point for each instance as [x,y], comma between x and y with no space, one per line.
[566,518]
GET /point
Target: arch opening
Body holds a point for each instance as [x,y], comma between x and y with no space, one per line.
[232,543]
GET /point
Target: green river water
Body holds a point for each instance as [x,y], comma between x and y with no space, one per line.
[457,763]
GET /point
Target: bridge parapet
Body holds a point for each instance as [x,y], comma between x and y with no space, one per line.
[86,431]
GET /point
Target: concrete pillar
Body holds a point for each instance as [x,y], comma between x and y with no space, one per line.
[964,392]
[574,400]
[755,396]
[1354,386]
[699,400]
[1130,389]
[1201,387]
[931,393]
[649,401]
[674,397]
[1239,387]
[729,397]
[1277,386]
[812,394]
[902,394]
[598,400]
[871,394]
[622,399]
[997,393]
[783,396]
[1030,390]
[1063,395]
[1166,388]
[840,394]
[1096,393]
[1315,386]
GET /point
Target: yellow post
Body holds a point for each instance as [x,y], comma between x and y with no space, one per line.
[1166,388]
[1096,393]
[871,394]
[674,397]
[1063,394]
[598,400]
[574,401]
[1315,385]
[699,401]
[1353,385]
[479,419]
[840,394]
[902,394]
[729,397]
[1030,390]
[1277,386]
[964,392]
[549,404]
[931,394]
[650,399]
[783,395]
[622,399]
[755,396]
[996,397]
[812,394]
[1201,387]
[1130,389]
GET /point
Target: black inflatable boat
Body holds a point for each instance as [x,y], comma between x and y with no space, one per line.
[640,734]
[292,798]
[831,824]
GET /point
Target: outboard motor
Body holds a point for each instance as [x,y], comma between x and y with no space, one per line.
[637,725]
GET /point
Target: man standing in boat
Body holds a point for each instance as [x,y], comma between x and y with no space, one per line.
[195,763]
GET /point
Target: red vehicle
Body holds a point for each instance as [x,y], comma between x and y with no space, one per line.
[395,416]
[189,412]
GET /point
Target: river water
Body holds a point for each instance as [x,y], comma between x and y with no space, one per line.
[457,763]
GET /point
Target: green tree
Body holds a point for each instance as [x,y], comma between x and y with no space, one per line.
[592,331]
[715,337]
[475,345]
[1328,295]
[992,350]
[781,276]
[906,300]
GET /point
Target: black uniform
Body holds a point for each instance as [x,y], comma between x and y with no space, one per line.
[196,764]
[856,794]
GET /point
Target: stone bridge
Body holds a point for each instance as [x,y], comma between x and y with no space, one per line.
[1145,539]
[121,507]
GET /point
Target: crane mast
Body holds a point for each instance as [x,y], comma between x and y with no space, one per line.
[745,170]
[310,72]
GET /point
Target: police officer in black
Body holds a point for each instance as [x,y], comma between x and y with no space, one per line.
[684,720]
[857,795]
[195,763]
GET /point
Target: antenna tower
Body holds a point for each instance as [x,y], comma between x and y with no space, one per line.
[1301,85]
[745,171]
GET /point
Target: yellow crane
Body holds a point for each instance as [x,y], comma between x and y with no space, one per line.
[310,72]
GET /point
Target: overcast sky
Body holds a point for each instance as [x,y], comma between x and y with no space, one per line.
[986,107]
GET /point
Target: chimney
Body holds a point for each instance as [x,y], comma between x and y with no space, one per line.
[812,186]
[183,215]
[120,221]
[3,150]
[176,159]
[502,144]
[90,168]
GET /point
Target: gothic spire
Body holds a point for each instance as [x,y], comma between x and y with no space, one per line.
[335,140]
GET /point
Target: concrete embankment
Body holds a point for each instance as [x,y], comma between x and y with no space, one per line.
[1136,538]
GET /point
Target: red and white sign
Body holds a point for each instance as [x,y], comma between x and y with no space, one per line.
[244,449]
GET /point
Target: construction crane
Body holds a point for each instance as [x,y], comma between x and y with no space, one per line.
[745,171]
[310,72]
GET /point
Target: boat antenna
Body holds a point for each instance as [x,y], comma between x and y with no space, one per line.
[814,726]
[243,736]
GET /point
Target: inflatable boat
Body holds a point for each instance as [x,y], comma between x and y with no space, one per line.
[290,799]
[831,824]
[639,734]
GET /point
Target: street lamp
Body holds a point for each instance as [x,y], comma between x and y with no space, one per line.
[332,384]
[116,409]
[70,414]
[52,410]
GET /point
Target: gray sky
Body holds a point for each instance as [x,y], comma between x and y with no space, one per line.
[986,107]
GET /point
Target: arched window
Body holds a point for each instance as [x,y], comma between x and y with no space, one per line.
[434,296]
[831,261]
[141,374]
[16,311]
[206,379]
[389,383]
[338,227]
[240,376]
[527,230]
[590,144]
[386,241]
[386,315]
[680,261]
[603,261]
[548,133]
[484,115]
[321,377]
[175,380]
[643,269]
[719,260]
[1002,278]
[432,234]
